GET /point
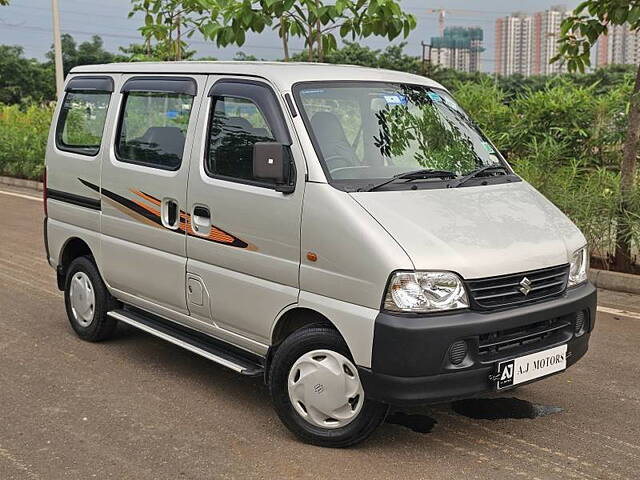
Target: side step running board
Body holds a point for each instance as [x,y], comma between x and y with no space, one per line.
[215,350]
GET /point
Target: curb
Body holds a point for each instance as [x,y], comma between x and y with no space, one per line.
[21,182]
[618,282]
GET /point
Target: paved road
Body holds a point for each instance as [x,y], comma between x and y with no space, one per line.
[138,408]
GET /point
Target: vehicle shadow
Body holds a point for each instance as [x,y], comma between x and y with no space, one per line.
[493,408]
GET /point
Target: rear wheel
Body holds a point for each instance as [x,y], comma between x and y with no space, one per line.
[317,392]
[88,301]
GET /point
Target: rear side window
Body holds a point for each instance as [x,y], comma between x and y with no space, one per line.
[236,125]
[81,122]
[153,129]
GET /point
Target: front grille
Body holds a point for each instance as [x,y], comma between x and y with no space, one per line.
[508,290]
[511,341]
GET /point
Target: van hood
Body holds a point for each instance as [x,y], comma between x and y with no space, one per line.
[477,232]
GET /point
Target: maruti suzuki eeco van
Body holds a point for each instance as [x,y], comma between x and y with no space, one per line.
[347,234]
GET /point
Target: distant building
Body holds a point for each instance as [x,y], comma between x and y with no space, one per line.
[620,46]
[525,44]
[545,35]
[513,45]
[458,48]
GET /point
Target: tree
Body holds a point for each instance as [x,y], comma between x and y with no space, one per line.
[169,22]
[319,23]
[579,32]
[158,52]
[23,80]
[392,57]
[243,57]
[87,53]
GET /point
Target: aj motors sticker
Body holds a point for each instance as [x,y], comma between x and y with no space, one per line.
[530,367]
[505,374]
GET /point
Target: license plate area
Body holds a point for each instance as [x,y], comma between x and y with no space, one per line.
[529,367]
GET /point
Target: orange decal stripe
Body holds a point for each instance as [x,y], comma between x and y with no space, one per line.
[148,198]
[220,236]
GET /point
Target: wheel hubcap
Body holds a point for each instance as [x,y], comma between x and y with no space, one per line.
[325,390]
[82,299]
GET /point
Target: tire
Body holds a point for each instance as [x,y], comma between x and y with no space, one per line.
[364,414]
[87,301]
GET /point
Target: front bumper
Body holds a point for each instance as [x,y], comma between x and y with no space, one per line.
[410,359]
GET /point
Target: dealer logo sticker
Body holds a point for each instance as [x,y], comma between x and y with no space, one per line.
[505,374]
[532,366]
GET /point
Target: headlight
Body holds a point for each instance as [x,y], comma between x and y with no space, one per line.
[425,292]
[578,267]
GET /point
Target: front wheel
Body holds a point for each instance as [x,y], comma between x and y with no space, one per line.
[317,392]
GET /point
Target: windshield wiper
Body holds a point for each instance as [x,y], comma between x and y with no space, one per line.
[423,173]
[476,173]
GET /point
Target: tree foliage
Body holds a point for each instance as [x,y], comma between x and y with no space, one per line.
[91,52]
[158,52]
[591,19]
[169,23]
[578,33]
[320,23]
[23,79]
[393,57]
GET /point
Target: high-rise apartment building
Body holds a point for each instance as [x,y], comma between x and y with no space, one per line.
[458,48]
[513,45]
[525,44]
[545,35]
[619,46]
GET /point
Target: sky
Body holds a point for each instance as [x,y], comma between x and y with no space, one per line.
[28,23]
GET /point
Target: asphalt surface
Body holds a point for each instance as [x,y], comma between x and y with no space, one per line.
[139,408]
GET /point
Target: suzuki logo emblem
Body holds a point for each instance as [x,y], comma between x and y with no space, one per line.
[525,286]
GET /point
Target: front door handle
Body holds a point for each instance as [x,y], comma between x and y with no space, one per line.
[170,213]
[201,220]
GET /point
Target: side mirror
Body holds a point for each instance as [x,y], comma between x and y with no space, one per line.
[272,161]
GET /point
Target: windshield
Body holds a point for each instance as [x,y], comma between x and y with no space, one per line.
[365,132]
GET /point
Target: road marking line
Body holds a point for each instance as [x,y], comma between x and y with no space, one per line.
[621,313]
[21,195]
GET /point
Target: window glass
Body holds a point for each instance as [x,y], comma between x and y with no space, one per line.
[82,121]
[236,125]
[153,129]
[343,117]
[375,131]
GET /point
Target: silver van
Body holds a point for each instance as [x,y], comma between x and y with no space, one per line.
[348,234]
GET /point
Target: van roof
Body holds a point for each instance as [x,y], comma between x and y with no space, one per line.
[282,74]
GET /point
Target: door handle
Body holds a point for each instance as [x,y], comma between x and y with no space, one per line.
[170,213]
[201,220]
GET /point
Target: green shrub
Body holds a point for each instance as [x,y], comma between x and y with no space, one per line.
[565,140]
[23,140]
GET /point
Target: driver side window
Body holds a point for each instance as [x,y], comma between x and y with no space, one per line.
[236,124]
